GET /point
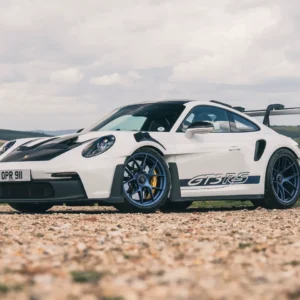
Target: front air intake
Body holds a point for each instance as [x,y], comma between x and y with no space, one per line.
[26,190]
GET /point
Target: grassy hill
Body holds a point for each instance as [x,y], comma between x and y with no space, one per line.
[291,131]
[8,135]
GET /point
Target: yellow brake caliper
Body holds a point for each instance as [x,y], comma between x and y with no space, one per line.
[153,182]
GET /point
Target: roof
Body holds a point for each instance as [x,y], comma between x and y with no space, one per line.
[175,101]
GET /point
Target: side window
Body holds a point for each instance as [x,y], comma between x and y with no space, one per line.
[214,115]
[241,124]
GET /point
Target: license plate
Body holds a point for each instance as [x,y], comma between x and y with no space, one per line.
[14,175]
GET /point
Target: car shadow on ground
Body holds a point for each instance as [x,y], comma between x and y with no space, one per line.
[108,210]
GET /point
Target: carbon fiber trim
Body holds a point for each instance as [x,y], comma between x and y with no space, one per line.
[43,151]
[145,136]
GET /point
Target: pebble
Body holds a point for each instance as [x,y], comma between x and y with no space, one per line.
[97,253]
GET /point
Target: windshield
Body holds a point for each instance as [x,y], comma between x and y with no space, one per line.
[159,117]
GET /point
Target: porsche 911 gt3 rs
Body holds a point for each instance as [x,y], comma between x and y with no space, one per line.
[147,156]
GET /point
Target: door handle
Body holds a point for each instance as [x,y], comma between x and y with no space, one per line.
[234,148]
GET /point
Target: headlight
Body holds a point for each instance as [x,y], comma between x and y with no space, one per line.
[6,146]
[99,146]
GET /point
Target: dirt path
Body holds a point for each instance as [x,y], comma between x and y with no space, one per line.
[97,253]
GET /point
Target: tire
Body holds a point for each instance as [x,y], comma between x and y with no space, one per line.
[146,182]
[176,206]
[257,203]
[282,186]
[31,207]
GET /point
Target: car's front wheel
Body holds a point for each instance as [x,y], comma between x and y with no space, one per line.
[31,207]
[146,182]
[282,180]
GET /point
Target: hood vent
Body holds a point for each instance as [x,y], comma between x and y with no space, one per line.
[43,151]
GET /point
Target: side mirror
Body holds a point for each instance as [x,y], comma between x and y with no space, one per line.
[79,130]
[199,128]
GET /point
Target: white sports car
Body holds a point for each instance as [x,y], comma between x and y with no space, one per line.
[156,155]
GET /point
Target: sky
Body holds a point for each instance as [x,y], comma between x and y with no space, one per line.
[65,64]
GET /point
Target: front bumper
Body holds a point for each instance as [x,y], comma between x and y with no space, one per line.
[42,191]
[58,191]
[96,176]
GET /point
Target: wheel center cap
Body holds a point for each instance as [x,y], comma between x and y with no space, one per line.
[142,179]
[280,178]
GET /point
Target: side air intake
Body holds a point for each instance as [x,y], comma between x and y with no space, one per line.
[259,149]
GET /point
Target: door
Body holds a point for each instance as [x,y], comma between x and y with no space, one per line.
[219,163]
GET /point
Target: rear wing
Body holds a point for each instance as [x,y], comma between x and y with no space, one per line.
[271,110]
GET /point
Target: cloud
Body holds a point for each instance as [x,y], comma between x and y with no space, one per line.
[116,79]
[67,76]
[113,79]
[236,58]
[134,75]
[93,58]
[30,106]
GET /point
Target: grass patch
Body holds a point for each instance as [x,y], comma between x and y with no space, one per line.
[4,289]
[221,204]
[293,263]
[86,276]
[244,245]
[226,204]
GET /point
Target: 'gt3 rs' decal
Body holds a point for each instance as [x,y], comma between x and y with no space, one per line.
[220,179]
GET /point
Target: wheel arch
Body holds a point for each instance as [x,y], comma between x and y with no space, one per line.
[151,147]
[281,148]
[287,148]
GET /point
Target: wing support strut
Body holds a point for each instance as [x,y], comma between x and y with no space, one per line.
[268,112]
[271,110]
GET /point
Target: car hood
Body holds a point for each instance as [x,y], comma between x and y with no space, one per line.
[44,149]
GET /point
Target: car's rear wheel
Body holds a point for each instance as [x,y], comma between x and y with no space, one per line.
[146,182]
[282,180]
[175,206]
[31,207]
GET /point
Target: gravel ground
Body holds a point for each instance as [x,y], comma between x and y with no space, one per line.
[97,253]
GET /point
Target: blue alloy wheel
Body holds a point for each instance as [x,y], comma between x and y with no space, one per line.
[286,179]
[145,179]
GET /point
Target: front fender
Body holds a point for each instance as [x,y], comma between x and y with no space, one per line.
[148,144]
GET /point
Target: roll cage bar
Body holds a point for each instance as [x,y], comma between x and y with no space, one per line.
[271,110]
